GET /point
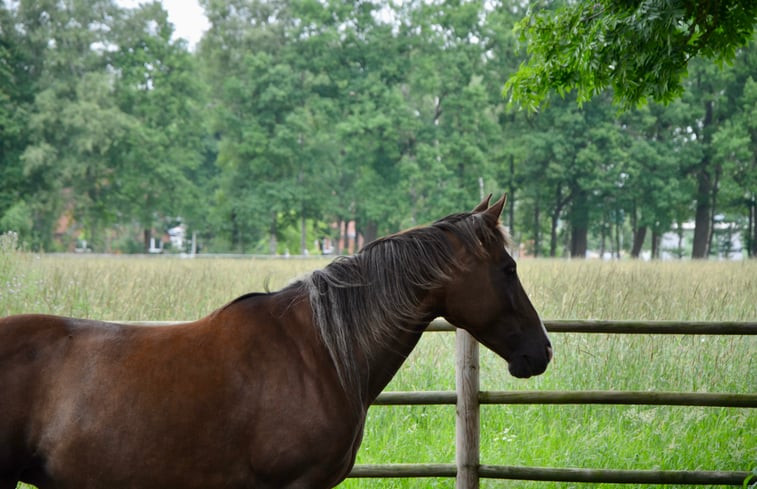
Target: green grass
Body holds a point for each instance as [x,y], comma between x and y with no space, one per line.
[623,437]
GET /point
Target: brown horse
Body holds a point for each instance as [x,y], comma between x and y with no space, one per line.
[271,390]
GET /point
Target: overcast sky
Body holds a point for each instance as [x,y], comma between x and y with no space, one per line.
[186,15]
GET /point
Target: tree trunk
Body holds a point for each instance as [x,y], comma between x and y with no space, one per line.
[555,218]
[655,243]
[578,241]
[752,231]
[639,235]
[714,203]
[303,236]
[236,233]
[537,229]
[579,225]
[146,239]
[618,225]
[702,216]
[370,232]
[273,242]
[511,196]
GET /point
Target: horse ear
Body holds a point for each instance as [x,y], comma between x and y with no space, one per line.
[492,213]
[483,205]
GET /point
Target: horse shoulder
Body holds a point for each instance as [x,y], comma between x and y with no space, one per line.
[294,396]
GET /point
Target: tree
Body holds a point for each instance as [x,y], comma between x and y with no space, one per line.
[651,188]
[156,85]
[712,99]
[13,98]
[734,144]
[641,48]
[76,134]
[454,141]
[79,148]
[573,163]
[270,79]
[293,116]
[237,59]
[502,57]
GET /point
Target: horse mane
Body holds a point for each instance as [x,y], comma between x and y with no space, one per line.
[359,301]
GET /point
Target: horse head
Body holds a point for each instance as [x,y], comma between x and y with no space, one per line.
[487,299]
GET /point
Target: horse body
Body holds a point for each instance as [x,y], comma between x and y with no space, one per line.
[271,390]
[191,405]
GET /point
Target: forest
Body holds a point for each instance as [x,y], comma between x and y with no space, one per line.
[290,118]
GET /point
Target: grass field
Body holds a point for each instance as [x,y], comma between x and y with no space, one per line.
[624,437]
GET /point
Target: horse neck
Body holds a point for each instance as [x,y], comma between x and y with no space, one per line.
[367,360]
[384,362]
[371,309]
[379,370]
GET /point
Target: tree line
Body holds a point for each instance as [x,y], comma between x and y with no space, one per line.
[290,116]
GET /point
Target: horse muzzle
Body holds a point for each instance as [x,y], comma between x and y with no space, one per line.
[525,365]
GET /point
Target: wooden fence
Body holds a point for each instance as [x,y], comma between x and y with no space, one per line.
[468,397]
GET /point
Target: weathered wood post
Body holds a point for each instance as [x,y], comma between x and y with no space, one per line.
[467,424]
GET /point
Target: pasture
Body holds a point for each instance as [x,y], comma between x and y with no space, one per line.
[623,437]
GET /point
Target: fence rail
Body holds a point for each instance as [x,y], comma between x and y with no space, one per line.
[634,327]
[687,477]
[611,327]
[708,399]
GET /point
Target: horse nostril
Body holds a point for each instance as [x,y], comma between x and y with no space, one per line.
[549,353]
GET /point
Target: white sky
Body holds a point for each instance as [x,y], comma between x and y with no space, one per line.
[187,17]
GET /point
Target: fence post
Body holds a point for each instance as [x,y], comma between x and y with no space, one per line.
[467,425]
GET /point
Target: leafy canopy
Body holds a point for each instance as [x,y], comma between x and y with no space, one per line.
[640,49]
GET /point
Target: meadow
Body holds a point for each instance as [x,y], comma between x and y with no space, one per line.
[622,437]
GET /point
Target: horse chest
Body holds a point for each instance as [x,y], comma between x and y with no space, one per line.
[311,446]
